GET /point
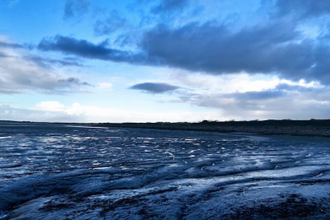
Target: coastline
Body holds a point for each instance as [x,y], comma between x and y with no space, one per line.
[310,128]
[91,171]
[307,128]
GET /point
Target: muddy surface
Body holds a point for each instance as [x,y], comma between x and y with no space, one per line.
[80,172]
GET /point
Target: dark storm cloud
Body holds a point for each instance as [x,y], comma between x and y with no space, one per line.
[75,8]
[210,48]
[154,88]
[275,48]
[303,8]
[169,5]
[271,47]
[87,49]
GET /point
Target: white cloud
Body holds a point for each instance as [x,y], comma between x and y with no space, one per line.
[226,83]
[216,108]
[21,72]
[294,105]
[50,106]
[53,111]
[105,85]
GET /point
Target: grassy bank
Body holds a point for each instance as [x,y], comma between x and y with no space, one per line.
[276,127]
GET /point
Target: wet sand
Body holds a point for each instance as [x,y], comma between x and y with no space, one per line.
[56,171]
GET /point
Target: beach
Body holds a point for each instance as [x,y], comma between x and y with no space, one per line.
[75,171]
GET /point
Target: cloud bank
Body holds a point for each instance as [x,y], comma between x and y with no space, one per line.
[273,49]
[53,111]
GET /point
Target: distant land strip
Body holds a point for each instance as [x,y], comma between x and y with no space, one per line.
[313,127]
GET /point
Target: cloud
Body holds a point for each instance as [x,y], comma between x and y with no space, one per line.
[87,49]
[48,63]
[304,9]
[10,45]
[75,8]
[299,88]
[246,97]
[73,81]
[261,95]
[273,49]
[232,83]
[169,5]
[2,55]
[264,104]
[213,49]
[105,85]
[42,61]
[112,24]
[21,72]
[48,112]
[274,46]
[54,111]
[154,88]
[50,106]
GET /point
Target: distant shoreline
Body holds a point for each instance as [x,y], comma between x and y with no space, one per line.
[318,128]
[313,127]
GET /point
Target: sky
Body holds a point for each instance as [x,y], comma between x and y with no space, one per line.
[167,60]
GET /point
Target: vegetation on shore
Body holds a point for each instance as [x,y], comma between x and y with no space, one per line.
[312,127]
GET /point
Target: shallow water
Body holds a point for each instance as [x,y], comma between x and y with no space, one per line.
[77,172]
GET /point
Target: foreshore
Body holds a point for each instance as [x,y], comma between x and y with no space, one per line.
[317,128]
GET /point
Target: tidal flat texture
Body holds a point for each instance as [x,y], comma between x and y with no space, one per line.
[50,171]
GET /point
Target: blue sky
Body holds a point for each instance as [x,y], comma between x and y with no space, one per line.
[168,60]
